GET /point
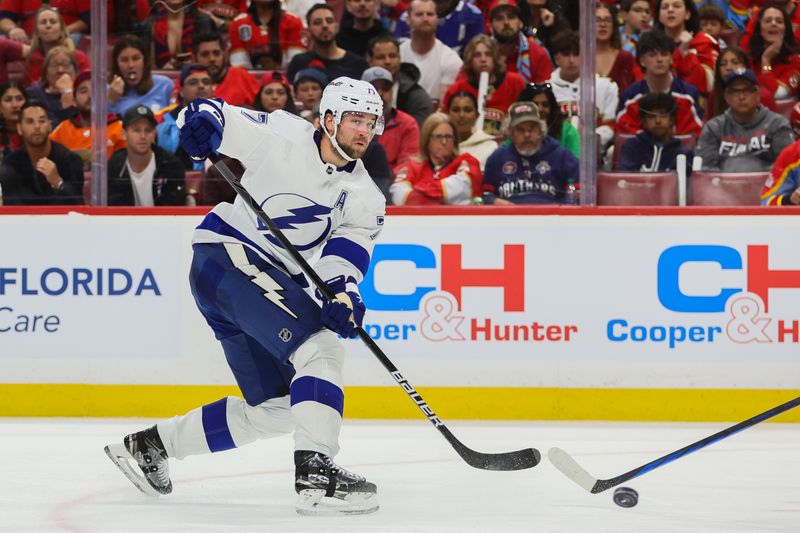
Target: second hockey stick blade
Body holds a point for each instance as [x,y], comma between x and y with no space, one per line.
[516,460]
[570,467]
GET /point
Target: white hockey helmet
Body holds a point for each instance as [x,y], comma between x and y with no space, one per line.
[344,95]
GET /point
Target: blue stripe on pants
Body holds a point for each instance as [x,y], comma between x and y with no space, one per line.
[311,389]
[215,426]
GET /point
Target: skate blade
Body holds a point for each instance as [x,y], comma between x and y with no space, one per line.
[313,502]
[120,456]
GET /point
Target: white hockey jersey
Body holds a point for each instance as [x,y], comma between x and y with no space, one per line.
[327,212]
[606,95]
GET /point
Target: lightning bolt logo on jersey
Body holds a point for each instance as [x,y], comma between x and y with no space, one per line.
[328,214]
[305,223]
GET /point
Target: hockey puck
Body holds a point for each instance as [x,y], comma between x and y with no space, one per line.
[626,497]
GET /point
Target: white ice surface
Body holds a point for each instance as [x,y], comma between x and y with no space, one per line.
[57,478]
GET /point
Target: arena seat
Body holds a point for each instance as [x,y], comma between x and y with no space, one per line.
[637,188]
[194,185]
[619,140]
[87,187]
[16,70]
[726,188]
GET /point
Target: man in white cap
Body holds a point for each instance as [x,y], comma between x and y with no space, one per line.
[279,340]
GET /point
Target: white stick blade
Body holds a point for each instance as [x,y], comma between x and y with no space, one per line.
[567,465]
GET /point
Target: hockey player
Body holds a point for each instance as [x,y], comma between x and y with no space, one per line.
[280,344]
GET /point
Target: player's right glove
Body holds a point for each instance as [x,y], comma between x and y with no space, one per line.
[201,124]
[343,314]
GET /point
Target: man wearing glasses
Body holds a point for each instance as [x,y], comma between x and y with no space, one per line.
[748,137]
[635,15]
[534,168]
[195,81]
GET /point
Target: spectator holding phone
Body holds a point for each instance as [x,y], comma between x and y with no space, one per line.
[174,30]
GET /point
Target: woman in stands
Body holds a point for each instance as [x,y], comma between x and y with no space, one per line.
[775,53]
[55,89]
[730,59]
[50,31]
[441,174]
[612,61]
[173,33]
[558,127]
[695,51]
[463,111]
[482,54]
[12,99]
[275,93]
[132,80]
[542,20]
[266,36]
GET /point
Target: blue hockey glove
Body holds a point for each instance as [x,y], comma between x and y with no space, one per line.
[201,124]
[346,312]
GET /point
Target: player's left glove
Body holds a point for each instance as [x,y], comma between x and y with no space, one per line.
[346,312]
[201,125]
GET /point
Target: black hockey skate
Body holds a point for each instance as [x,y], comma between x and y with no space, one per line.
[326,488]
[150,471]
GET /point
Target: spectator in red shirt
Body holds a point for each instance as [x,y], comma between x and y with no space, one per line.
[655,56]
[233,84]
[275,94]
[266,36]
[612,61]
[693,48]
[50,32]
[789,6]
[12,98]
[17,17]
[775,53]
[400,137]
[483,55]
[523,55]
[440,175]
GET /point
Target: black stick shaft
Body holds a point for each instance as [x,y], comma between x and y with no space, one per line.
[518,460]
[605,484]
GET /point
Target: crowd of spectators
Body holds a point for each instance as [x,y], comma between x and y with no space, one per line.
[717,81]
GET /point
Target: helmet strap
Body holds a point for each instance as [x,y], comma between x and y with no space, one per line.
[333,140]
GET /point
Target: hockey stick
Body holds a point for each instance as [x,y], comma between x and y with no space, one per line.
[570,468]
[517,460]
